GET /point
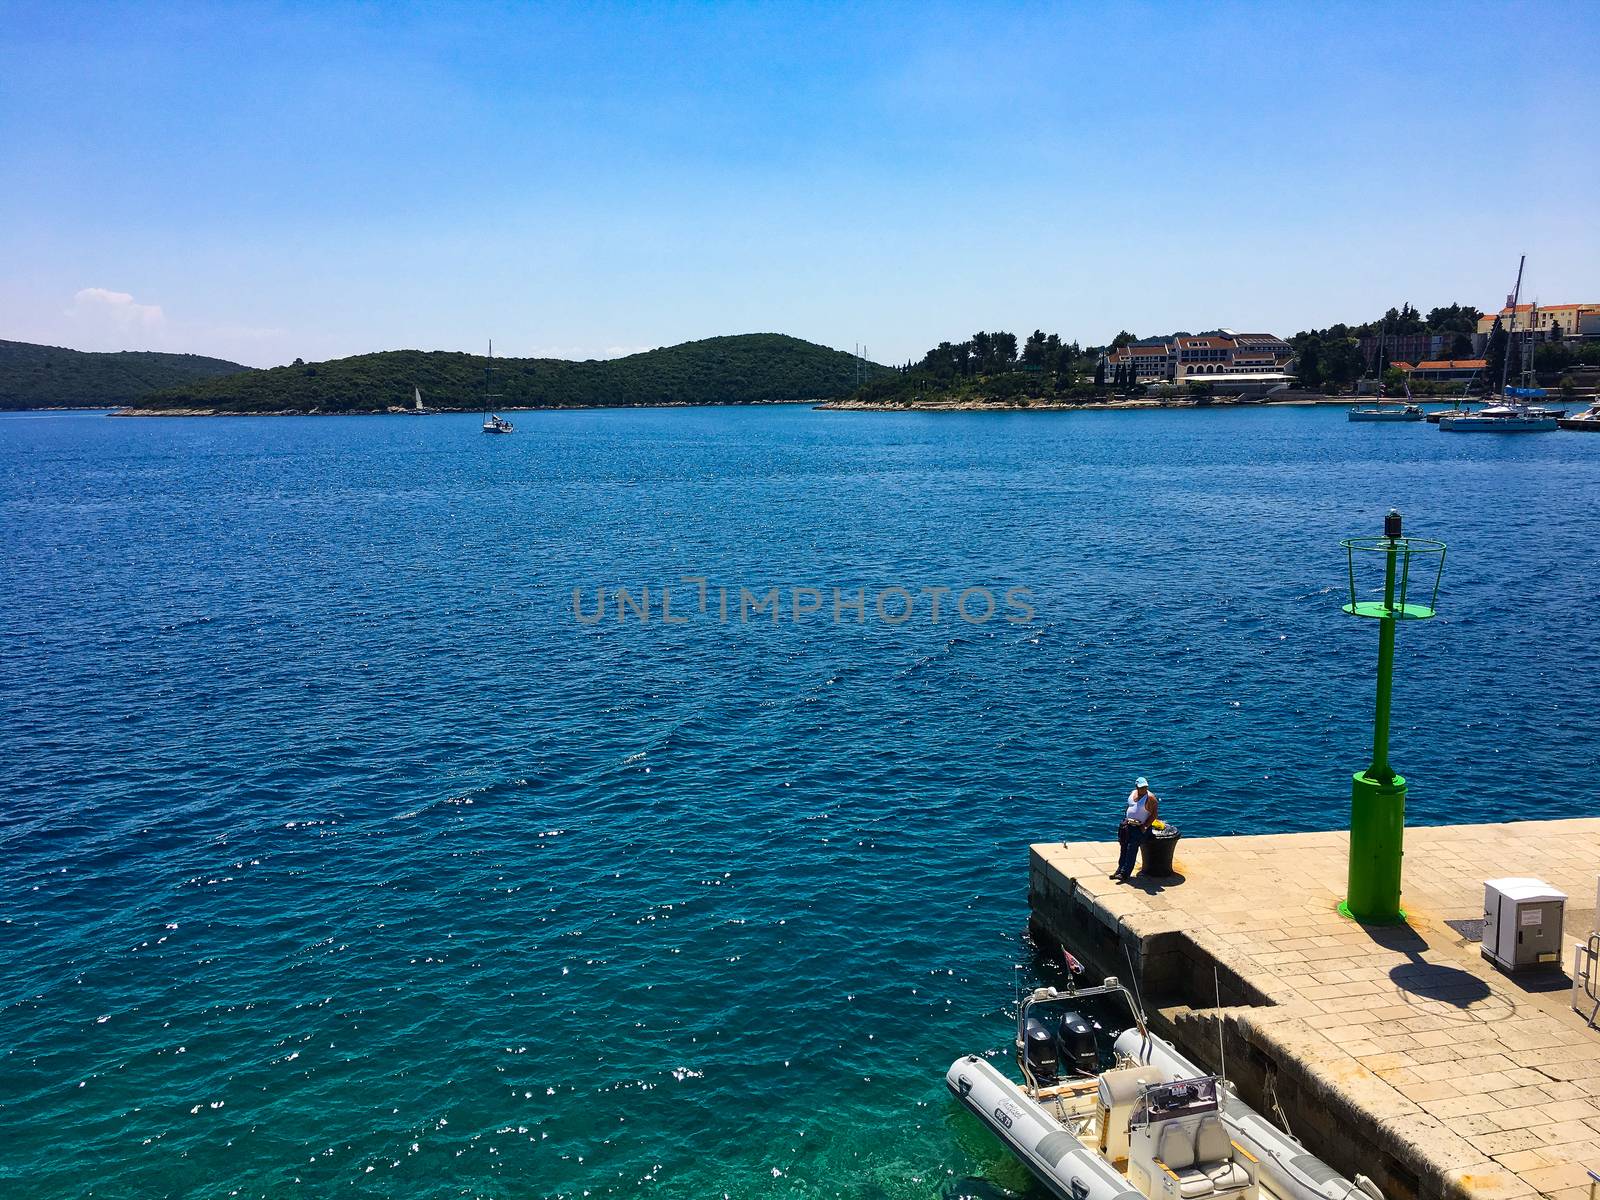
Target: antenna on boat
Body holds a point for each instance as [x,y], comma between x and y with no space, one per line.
[1222,1053]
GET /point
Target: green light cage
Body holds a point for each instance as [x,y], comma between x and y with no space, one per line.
[1369,562]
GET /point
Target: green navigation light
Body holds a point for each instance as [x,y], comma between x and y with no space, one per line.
[1378,795]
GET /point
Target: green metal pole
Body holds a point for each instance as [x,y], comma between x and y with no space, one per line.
[1378,795]
[1380,721]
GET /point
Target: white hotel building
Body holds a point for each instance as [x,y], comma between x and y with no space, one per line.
[1225,360]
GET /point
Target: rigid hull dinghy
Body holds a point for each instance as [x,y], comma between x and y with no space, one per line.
[1109,1111]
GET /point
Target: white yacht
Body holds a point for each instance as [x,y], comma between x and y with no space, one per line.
[1109,1111]
[1500,418]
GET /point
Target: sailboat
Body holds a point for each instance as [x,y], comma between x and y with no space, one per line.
[1511,415]
[1378,412]
[416,409]
[492,422]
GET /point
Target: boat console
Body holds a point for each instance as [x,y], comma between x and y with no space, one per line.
[1179,1148]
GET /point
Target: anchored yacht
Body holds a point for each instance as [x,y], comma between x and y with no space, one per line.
[492,422]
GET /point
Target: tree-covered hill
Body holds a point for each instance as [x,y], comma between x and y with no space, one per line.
[53,377]
[743,369]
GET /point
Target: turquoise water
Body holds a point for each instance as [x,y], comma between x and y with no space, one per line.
[340,859]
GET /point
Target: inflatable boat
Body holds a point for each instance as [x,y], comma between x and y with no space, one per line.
[1109,1111]
[1288,1169]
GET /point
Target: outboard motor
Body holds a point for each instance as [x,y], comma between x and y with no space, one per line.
[1039,1049]
[1075,1044]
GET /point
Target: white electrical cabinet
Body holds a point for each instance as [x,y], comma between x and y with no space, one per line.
[1522,923]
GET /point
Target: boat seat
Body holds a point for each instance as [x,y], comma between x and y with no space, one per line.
[1175,1152]
[1176,1148]
[1203,1164]
[1213,1152]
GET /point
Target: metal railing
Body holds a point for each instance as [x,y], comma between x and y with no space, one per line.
[1590,979]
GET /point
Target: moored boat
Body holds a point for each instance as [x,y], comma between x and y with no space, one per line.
[1110,1111]
[1588,421]
[1511,414]
[1499,418]
[1411,412]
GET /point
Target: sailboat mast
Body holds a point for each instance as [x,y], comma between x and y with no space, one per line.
[1377,366]
[1525,361]
[1516,295]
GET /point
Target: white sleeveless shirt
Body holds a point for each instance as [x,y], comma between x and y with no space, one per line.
[1138,807]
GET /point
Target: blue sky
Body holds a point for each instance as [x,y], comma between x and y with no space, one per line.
[270,181]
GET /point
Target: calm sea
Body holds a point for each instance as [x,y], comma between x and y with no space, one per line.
[338,858]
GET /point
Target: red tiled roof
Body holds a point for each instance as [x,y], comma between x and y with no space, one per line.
[1523,308]
[1452,364]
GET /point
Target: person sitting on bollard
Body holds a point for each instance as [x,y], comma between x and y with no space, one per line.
[1143,806]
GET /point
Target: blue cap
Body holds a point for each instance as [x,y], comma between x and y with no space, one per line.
[1141,782]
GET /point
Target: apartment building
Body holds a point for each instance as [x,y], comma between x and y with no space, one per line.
[1408,347]
[1539,321]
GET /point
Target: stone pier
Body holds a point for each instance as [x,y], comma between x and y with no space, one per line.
[1398,1052]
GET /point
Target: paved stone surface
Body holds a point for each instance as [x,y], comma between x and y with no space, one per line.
[1493,1080]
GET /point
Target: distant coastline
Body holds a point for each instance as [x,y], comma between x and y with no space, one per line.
[818,404]
[747,368]
[971,404]
[133,411]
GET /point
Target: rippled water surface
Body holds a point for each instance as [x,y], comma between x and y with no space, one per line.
[338,858]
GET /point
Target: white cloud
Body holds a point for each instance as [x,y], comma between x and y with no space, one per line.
[583,353]
[116,309]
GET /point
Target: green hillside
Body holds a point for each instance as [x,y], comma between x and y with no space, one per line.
[745,369]
[52,377]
